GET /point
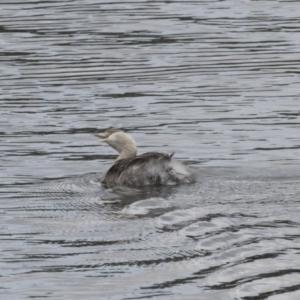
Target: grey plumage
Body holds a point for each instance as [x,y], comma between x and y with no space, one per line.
[150,168]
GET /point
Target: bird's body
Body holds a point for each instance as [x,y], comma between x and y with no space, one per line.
[150,168]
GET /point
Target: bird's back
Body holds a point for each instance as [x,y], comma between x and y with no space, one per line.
[151,168]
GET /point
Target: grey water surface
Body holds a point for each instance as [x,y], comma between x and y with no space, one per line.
[216,82]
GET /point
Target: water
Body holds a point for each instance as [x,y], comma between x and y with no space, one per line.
[215,81]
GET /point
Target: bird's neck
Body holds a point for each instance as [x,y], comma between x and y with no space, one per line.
[127,152]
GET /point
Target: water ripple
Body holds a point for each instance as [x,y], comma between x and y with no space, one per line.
[216,82]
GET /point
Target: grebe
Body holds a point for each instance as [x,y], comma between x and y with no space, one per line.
[150,168]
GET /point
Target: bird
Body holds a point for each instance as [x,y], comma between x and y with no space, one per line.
[151,168]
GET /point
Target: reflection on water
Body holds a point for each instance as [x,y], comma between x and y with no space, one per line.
[216,82]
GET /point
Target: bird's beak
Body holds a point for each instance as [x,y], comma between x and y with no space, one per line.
[101,136]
